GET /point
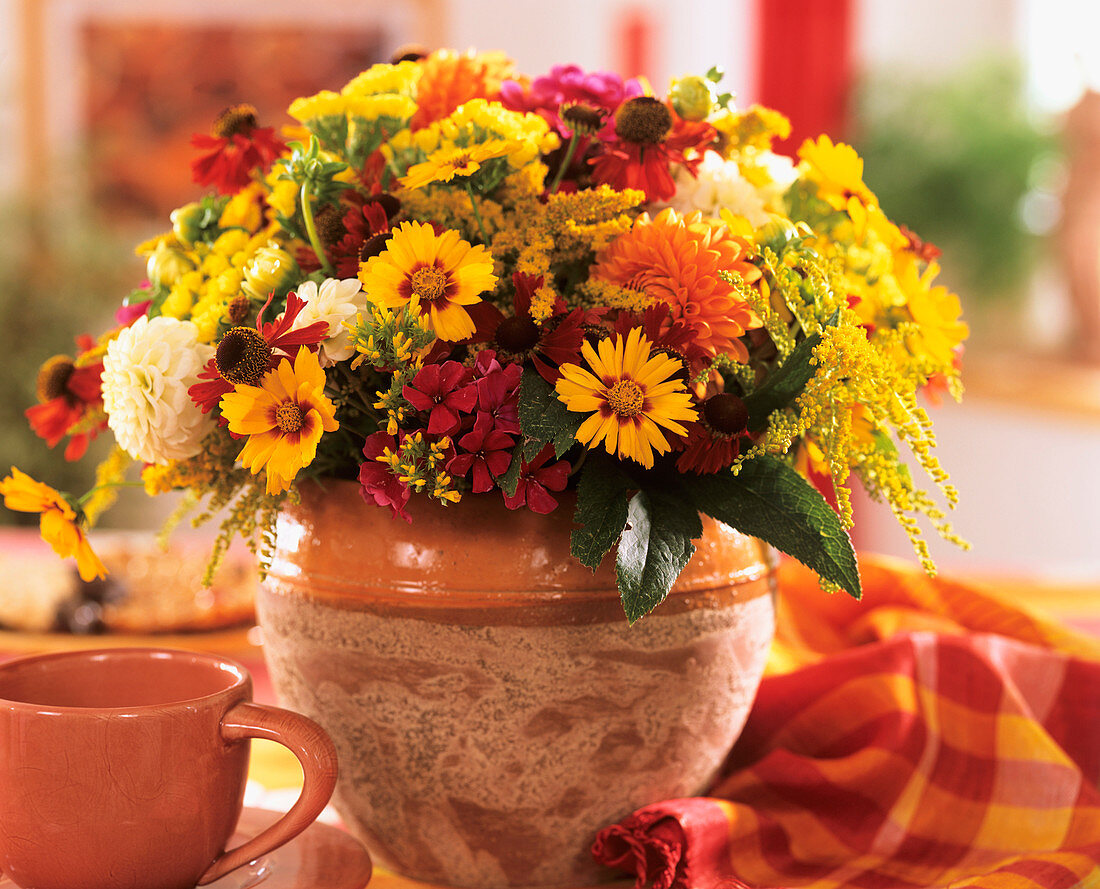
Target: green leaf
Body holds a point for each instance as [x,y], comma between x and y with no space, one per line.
[654,548]
[602,495]
[543,417]
[769,500]
[787,383]
[509,481]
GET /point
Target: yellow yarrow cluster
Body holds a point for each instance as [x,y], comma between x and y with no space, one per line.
[400,79]
[419,464]
[473,123]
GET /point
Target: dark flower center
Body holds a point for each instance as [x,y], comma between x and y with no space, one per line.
[429,283]
[726,413]
[233,120]
[330,225]
[288,416]
[52,378]
[517,334]
[374,245]
[626,398]
[385,200]
[410,52]
[242,356]
[238,309]
[643,120]
[583,119]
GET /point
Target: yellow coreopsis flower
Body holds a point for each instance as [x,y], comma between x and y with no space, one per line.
[57,523]
[838,172]
[284,418]
[442,274]
[630,393]
[446,163]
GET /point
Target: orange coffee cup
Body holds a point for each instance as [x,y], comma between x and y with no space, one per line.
[124,768]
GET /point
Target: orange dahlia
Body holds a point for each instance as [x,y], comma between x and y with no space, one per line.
[449,79]
[675,260]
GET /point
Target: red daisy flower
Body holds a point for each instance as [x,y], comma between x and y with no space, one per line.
[714,442]
[70,402]
[244,355]
[652,138]
[554,342]
[234,149]
[537,480]
[365,220]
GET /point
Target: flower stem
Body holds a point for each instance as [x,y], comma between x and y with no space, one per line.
[565,162]
[81,500]
[311,231]
[477,214]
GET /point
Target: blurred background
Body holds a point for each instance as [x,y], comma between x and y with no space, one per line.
[979,121]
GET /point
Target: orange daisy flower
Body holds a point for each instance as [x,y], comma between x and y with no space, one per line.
[58,522]
[676,260]
[450,79]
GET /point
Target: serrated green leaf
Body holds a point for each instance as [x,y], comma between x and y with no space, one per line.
[786,383]
[769,500]
[543,417]
[602,496]
[653,550]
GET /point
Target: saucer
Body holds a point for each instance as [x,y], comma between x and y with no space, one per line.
[321,857]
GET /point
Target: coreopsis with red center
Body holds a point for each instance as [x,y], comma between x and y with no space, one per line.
[454,280]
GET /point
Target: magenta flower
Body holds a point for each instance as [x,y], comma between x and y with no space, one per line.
[446,391]
[536,481]
[497,391]
[484,450]
[602,90]
[376,483]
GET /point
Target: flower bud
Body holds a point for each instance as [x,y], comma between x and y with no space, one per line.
[691,97]
[272,270]
[776,233]
[187,221]
[166,264]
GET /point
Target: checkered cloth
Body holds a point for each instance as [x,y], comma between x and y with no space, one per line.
[929,736]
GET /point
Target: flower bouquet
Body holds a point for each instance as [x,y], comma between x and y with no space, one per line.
[451,280]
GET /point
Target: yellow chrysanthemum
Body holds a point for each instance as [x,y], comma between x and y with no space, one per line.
[630,393]
[446,163]
[383,78]
[57,522]
[283,418]
[838,172]
[440,273]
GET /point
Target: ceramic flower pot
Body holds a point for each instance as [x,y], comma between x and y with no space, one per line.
[490,706]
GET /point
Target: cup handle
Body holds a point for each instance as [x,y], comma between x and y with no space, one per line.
[314,750]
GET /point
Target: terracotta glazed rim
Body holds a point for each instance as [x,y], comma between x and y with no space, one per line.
[235,678]
[310,536]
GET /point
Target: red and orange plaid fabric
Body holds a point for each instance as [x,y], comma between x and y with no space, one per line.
[932,735]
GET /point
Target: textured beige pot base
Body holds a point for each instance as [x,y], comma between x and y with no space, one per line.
[487,751]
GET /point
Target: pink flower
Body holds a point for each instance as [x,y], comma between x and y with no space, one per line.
[376,483]
[536,480]
[447,391]
[565,84]
[484,450]
[498,391]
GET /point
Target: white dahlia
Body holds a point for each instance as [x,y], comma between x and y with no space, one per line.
[721,186]
[333,302]
[146,373]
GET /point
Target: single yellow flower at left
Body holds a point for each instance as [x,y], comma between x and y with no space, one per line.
[284,418]
[57,523]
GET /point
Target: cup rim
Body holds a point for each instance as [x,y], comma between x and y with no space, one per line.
[242,677]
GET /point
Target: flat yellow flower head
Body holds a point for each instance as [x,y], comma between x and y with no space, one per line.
[57,521]
[284,418]
[630,393]
[441,274]
[838,172]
